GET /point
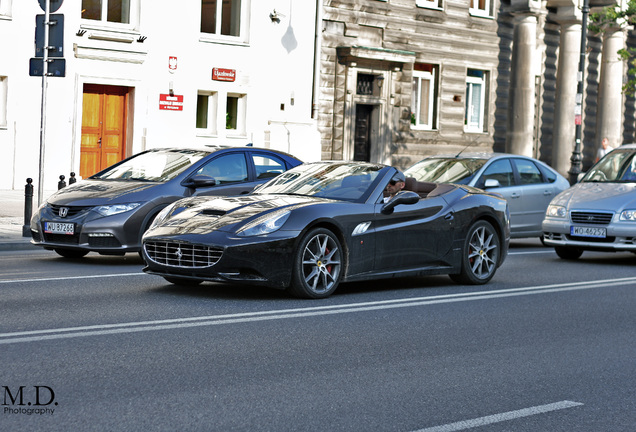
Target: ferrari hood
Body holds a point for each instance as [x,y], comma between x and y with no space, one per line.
[103,192]
[598,196]
[201,215]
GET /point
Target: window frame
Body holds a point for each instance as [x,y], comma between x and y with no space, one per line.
[486,12]
[6,9]
[211,126]
[104,24]
[432,78]
[471,83]
[4,96]
[216,36]
[429,4]
[240,114]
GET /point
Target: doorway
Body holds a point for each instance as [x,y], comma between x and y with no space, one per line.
[362,133]
[104,123]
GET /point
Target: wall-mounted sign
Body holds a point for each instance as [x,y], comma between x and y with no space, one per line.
[172,63]
[171,103]
[219,74]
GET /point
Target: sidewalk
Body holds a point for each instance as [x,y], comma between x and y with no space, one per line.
[12,220]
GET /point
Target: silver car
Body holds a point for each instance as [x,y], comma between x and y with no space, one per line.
[527,184]
[599,212]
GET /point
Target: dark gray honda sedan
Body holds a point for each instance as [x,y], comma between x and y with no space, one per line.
[109,211]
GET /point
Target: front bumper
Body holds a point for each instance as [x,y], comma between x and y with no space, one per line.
[620,237]
[261,260]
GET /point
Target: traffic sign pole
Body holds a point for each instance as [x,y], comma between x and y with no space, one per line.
[45,72]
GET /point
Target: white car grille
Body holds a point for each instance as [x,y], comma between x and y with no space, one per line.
[185,255]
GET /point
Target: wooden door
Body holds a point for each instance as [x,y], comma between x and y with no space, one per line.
[104,112]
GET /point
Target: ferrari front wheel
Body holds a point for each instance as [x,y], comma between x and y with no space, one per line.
[317,266]
[480,255]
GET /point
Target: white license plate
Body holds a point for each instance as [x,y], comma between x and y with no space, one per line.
[588,232]
[59,228]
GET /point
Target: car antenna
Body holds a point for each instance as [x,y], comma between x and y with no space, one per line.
[462,150]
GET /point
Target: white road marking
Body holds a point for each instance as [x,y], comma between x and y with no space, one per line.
[180,323]
[50,279]
[498,418]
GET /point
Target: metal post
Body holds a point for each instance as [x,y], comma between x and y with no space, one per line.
[28,208]
[45,72]
[61,184]
[575,168]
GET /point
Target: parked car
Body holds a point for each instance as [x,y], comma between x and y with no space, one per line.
[109,211]
[527,184]
[323,223]
[599,212]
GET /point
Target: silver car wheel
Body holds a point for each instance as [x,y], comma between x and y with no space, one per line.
[480,256]
[318,265]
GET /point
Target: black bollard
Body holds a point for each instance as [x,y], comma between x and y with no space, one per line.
[28,208]
[72,179]
[61,183]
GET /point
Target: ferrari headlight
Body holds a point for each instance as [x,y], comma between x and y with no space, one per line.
[556,211]
[264,225]
[116,209]
[628,215]
[161,216]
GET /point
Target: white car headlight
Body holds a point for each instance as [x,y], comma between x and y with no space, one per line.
[628,215]
[264,225]
[116,209]
[556,211]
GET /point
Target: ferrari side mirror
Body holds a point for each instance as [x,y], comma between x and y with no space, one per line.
[405,197]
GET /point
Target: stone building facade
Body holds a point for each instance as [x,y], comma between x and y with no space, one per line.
[402,79]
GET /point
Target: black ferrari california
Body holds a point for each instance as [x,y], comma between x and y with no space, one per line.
[323,223]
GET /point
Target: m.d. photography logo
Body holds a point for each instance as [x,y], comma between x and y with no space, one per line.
[28,400]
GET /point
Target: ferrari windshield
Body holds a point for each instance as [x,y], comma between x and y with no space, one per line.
[616,166]
[158,165]
[445,170]
[342,181]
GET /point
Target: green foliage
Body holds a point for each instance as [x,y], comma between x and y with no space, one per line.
[613,16]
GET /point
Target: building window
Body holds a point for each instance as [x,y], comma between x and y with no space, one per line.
[430,4]
[112,11]
[235,113]
[482,8]
[475,100]
[5,8]
[206,113]
[3,101]
[221,17]
[424,96]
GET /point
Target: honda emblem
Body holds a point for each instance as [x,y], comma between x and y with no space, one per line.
[63,211]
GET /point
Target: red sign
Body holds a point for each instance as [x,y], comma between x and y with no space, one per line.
[171,103]
[172,63]
[223,74]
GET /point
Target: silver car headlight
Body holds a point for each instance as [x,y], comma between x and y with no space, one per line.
[556,211]
[628,215]
[264,225]
[110,210]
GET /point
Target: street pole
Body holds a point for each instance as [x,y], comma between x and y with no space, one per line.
[45,72]
[575,159]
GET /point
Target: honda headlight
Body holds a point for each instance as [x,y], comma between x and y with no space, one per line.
[556,211]
[628,215]
[111,210]
[264,225]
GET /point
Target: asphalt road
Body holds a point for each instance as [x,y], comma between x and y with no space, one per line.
[95,345]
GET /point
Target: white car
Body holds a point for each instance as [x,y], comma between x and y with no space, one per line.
[599,212]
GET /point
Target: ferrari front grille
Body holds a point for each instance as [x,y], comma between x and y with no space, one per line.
[185,255]
[594,218]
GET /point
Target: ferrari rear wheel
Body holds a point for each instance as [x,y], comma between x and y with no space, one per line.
[480,255]
[317,265]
